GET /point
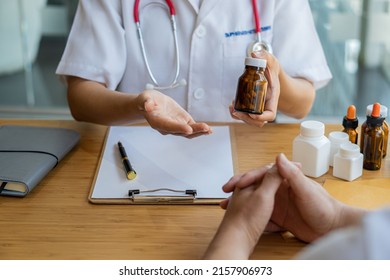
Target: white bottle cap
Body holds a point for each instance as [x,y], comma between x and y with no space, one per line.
[383,110]
[349,150]
[312,128]
[256,62]
[338,137]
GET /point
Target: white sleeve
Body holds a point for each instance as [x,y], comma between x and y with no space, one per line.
[296,44]
[339,245]
[368,241]
[96,46]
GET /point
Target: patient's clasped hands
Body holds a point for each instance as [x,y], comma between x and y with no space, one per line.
[275,198]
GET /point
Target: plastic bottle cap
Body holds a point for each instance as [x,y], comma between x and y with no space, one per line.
[351,112]
[256,62]
[338,137]
[376,110]
[312,128]
[349,149]
[383,110]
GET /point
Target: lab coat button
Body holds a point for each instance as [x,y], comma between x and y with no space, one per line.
[199,93]
[201,31]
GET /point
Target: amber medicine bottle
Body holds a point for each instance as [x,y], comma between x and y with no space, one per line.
[372,140]
[252,87]
[312,148]
[350,123]
[385,127]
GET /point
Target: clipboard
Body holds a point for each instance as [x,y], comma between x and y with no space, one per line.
[170,169]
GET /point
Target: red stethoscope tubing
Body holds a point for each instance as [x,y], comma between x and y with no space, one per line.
[173,12]
[252,47]
[136,9]
[256,15]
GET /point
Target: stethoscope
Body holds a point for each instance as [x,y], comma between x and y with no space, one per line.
[256,45]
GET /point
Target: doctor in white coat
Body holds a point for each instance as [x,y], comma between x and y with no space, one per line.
[177,88]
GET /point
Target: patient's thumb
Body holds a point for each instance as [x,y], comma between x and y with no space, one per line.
[288,169]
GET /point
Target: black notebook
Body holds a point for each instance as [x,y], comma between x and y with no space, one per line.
[28,153]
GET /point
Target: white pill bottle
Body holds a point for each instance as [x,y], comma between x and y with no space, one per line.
[348,162]
[312,149]
[336,138]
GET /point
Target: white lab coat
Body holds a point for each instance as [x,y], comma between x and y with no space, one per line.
[103,46]
[366,241]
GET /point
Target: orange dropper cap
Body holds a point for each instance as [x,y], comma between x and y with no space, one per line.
[376,110]
[350,120]
[351,112]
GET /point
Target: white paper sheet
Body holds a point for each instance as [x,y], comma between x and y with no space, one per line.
[204,163]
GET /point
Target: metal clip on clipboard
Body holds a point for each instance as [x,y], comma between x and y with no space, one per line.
[144,197]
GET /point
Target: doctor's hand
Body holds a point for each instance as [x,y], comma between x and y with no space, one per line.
[247,214]
[272,98]
[167,117]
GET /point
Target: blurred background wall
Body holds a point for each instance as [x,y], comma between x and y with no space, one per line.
[33,34]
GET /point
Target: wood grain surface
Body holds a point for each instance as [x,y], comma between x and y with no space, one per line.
[56,221]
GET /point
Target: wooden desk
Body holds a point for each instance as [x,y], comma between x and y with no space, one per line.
[56,221]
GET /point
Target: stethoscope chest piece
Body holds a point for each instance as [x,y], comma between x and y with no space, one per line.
[257,46]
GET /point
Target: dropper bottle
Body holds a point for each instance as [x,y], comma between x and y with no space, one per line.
[350,123]
[372,140]
[385,127]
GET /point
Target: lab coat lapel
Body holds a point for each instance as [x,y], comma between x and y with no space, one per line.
[206,8]
[195,5]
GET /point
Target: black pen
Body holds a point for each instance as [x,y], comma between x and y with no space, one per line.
[130,172]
